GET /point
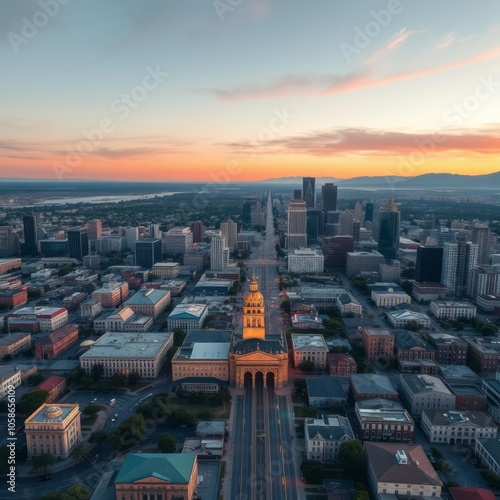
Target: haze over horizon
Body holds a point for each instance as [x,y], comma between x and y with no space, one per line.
[247,91]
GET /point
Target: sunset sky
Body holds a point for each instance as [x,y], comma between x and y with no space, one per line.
[237,90]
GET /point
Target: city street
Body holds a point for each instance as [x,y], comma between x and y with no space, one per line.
[263,458]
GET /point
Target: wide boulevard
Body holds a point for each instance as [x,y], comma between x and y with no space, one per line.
[263,463]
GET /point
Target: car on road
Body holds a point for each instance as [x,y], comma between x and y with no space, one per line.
[112,402]
[115,416]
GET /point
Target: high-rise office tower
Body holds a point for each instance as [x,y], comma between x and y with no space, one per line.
[484,280]
[197,229]
[132,235]
[335,249]
[329,197]
[154,231]
[297,194]
[147,252]
[9,242]
[219,253]
[346,219]
[358,212]
[313,225]
[429,264]
[388,230]
[78,243]
[30,246]
[356,229]
[481,236]
[309,191]
[368,212]
[296,234]
[95,229]
[252,215]
[458,261]
[229,230]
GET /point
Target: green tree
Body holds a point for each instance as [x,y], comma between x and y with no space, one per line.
[119,379]
[98,437]
[313,471]
[351,455]
[97,371]
[413,326]
[32,401]
[361,495]
[133,378]
[179,336]
[42,462]
[115,440]
[79,453]
[285,305]
[306,366]
[166,443]
[36,379]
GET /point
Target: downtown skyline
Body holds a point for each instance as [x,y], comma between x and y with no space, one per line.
[168,91]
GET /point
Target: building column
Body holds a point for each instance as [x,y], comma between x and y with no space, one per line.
[253,380]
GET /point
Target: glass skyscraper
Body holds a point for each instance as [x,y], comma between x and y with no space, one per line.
[388,230]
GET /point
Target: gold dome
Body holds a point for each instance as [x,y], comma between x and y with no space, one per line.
[253,298]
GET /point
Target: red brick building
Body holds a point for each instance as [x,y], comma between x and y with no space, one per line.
[14,297]
[55,386]
[341,364]
[111,295]
[377,342]
[57,342]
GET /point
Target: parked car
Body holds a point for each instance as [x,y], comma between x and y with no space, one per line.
[115,416]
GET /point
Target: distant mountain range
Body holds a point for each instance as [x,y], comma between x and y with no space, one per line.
[425,181]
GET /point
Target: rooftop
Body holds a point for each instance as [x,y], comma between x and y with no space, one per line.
[371,384]
[425,383]
[147,296]
[172,467]
[6,340]
[325,388]
[450,417]
[387,469]
[208,336]
[128,345]
[51,413]
[188,311]
[203,351]
[329,428]
[308,342]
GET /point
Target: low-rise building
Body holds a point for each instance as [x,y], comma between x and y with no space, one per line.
[363,262]
[488,303]
[400,469]
[149,302]
[54,385]
[211,428]
[325,393]
[309,347]
[411,346]
[111,295]
[450,349]
[54,344]
[425,392]
[485,350]
[349,305]
[127,352]
[7,265]
[488,453]
[323,437]
[491,389]
[166,270]
[368,386]
[49,319]
[306,321]
[90,308]
[124,320]
[161,475]
[384,420]
[9,377]
[468,397]
[187,317]
[377,342]
[13,297]
[14,343]
[389,297]
[401,318]
[201,360]
[341,364]
[457,427]
[448,309]
[53,429]
[305,260]
[425,292]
